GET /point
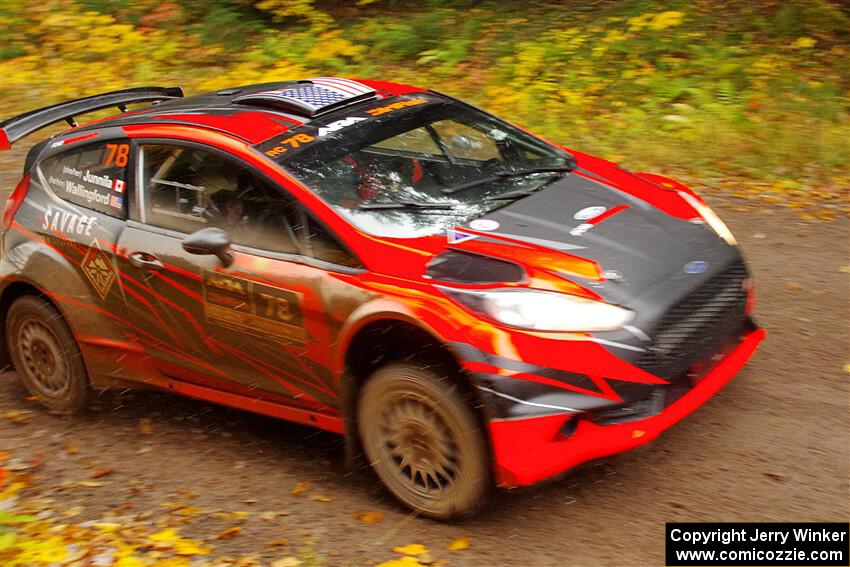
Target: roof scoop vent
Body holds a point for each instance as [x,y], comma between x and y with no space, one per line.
[311,97]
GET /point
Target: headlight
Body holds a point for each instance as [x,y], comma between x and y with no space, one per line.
[710,218]
[544,311]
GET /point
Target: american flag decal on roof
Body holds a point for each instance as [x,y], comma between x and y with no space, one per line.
[313,96]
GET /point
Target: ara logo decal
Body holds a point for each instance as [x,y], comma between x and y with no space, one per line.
[455,236]
[98,269]
[589,212]
[696,267]
[340,124]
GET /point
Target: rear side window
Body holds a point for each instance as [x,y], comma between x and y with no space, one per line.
[92,176]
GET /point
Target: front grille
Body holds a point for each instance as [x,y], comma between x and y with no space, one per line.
[696,325]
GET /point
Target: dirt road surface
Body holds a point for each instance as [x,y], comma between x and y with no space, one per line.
[774,445]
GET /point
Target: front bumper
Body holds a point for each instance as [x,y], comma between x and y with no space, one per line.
[528,450]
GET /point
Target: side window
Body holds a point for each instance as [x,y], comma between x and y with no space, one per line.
[466,142]
[187,189]
[323,246]
[92,176]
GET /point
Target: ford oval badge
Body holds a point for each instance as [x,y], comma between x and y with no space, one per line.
[589,212]
[696,267]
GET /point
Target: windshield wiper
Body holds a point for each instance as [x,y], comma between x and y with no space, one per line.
[406,206]
[541,169]
[510,195]
[499,175]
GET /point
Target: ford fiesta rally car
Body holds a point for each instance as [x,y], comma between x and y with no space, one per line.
[469,304]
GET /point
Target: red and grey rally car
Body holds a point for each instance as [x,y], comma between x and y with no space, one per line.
[469,304]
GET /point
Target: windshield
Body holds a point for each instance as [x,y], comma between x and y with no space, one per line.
[415,165]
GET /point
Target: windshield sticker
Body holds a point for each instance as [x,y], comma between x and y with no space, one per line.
[484,224]
[455,236]
[396,106]
[289,143]
[340,124]
[318,129]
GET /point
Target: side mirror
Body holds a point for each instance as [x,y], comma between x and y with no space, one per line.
[210,241]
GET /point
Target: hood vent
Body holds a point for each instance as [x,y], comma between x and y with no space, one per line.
[468,268]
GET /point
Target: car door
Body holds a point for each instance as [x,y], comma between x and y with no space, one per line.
[253,323]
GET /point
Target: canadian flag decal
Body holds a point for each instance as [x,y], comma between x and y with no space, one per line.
[118,185]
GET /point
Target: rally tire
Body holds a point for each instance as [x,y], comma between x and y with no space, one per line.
[46,356]
[424,442]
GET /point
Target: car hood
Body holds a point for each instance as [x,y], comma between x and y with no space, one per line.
[636,245]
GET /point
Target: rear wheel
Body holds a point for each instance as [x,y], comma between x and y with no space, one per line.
[423,441]
[46,356]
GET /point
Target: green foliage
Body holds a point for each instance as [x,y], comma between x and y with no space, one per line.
[757,88]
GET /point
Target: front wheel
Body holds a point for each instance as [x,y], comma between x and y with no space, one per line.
[46,356]
[423,441]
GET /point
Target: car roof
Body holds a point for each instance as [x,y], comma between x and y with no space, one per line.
[237,111]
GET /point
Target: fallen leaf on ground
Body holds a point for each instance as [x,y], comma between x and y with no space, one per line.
[370,517]
[406,561]
[89,483]
[793,286]
[75,511]
[18,465]
[239,516]
[286,562]
[844,269]
[301,488]
[268,516]
[229,533]
[170,538]
[17,417]
[847,367]
[459,544]
[190,547]
[412,549]
[70,447]
[188,511]
[320,498]
[101,472]
[145,426]
[278,543]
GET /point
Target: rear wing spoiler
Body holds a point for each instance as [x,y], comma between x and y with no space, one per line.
[15,128]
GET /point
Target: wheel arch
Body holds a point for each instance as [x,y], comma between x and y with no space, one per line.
[10,292]
[393,337]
